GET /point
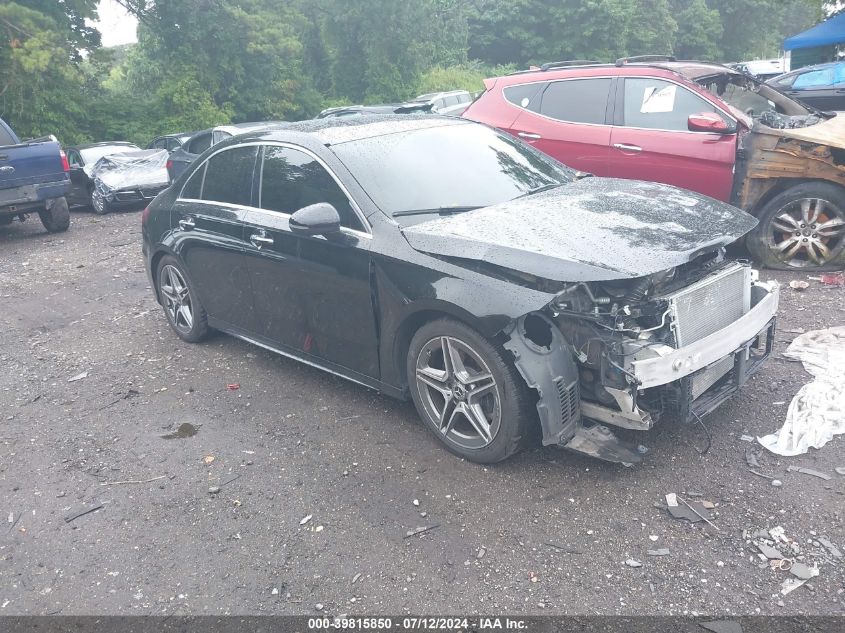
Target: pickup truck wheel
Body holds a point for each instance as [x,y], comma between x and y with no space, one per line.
[56,217]
[181,305]
[99,203]
[801,228]
[468,393]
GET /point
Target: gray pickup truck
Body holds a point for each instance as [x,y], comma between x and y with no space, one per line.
[33,179]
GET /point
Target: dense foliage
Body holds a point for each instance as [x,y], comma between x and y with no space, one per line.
[203,62]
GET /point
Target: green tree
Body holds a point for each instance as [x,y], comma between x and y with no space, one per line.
[40,81]
[699,30]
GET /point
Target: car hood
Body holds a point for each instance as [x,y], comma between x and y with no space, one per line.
[830,132]
[594,229]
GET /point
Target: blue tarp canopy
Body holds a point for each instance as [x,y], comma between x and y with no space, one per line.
[829,32]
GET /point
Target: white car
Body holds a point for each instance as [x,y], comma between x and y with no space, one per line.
[454,102]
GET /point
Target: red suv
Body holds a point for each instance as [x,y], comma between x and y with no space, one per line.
[700,126]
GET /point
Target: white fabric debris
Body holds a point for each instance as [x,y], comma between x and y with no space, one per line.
[817,412]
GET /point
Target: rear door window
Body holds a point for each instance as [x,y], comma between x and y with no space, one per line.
[576,100]
[292,179]
[662,105]
[229,176]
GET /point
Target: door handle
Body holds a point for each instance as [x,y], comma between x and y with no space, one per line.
[187,223]
[530,135]
[260,239]
[627,148]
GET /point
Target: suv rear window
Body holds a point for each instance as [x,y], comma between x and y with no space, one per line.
[576,100]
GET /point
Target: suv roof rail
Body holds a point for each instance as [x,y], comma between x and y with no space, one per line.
[645,58]
[569,62]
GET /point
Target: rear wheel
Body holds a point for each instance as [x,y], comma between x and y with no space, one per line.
[56,216]
[467,392]
[802,228]
[181,305]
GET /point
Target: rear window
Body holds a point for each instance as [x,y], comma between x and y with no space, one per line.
[200,144]
[576,100]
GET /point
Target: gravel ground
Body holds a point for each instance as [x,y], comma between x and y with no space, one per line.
[547,532]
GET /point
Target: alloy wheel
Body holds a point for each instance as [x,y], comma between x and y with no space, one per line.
[177,298]
[458,392]
[808,232]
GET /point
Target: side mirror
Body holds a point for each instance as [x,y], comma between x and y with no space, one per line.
[709,122]
[315,219]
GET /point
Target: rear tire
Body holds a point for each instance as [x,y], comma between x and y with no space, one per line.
[182,307]
[802,228]
[56,217]
[476,404]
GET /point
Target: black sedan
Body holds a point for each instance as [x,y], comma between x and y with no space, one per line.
[821,86]
[435,258]
[81,156]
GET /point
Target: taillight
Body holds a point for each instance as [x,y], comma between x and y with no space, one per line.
[65,164]
[168,164]
[145,214]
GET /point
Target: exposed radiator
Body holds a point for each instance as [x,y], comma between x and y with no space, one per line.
[710,304]
[704,379]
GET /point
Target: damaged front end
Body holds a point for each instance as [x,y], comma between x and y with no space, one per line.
[670,346]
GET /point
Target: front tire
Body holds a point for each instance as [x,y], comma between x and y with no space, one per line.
[468,393]
[801,228]
[56,216]
[182,307]
[99,203]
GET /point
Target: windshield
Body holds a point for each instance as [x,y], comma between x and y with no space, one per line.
[92,154]
[447,168]
[750,97]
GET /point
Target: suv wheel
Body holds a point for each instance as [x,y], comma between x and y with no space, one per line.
[467,392]
[56,216]
[802,227]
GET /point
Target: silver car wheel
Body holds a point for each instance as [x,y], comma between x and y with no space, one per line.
[807,232]
[177,298]
[458,392]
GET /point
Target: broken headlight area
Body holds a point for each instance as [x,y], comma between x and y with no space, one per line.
[668,347]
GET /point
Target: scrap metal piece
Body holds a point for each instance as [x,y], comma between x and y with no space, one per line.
[659,552]
[808,471]
[72,516]
[804,572]
[600,442]
[769,552]
[830,547]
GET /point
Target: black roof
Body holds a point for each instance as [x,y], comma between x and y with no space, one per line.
[334,130]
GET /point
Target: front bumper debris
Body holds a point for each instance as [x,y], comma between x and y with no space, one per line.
[669,364]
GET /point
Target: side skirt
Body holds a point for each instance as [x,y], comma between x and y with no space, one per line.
[366,381]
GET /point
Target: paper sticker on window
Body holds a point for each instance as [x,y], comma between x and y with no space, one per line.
[658,99]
